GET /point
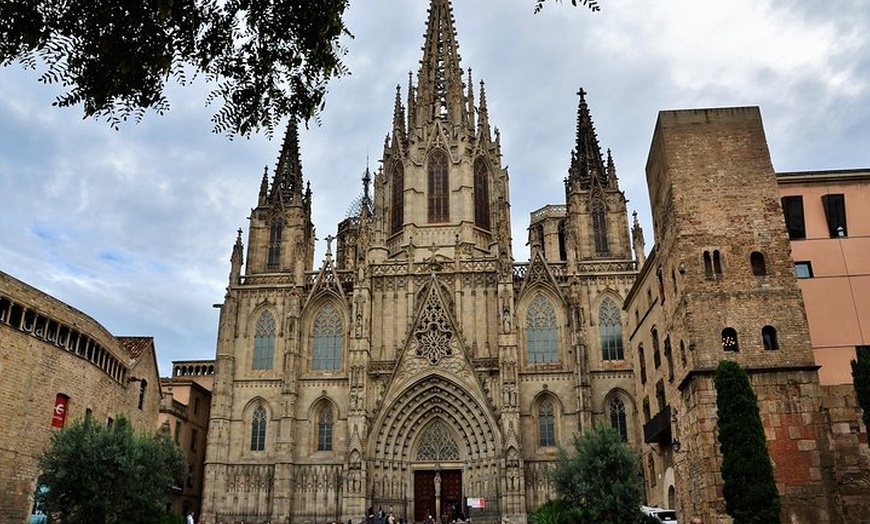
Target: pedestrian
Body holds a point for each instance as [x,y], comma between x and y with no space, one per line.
[190,518]
[696,520]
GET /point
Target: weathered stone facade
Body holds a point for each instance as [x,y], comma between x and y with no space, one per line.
[50,353]
[421,364]
[720,284]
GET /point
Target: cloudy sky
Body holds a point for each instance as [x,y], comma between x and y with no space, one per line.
[135,227]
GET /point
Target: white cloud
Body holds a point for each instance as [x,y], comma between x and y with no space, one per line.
[136,227]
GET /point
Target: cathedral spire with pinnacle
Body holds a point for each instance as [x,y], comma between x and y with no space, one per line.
[587,165]
[439,83]
[287,185]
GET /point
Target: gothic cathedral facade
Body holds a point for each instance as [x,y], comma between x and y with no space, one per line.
[420,365]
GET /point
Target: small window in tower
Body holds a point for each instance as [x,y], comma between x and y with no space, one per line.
[835,214]
[708,265]
[759,267]
[768,337]
[563,252]
[793,209]
[729,340]
[803,269]
[657,353]
[717,263]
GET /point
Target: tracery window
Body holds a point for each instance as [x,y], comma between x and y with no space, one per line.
[439,188]
[276,230]
[437,444]
[258,429]
[324,429]
[599,227]
[541,331]
[618,419]
[481,194]
[397,210]
[326,339]
[610,326]
[264,342]
[546,424]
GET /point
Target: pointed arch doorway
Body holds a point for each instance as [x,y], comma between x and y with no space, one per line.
[437,475]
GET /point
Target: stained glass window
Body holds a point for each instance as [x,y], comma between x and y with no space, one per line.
[541,331]
[546,424]
[610,325]
[264,342]
[326,339]
[324,429]
[258,429]
[617,418]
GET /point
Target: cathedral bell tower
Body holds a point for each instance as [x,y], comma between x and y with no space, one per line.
[281,237]
[442,187]
[597,222]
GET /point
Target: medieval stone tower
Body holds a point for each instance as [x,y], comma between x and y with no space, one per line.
[420,365]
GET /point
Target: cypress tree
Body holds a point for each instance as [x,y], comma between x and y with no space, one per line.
[861,379]
[749,489]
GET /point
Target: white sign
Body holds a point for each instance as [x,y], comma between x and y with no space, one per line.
[475,503]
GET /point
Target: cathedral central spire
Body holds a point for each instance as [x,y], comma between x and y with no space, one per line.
[440,86]
[586,161]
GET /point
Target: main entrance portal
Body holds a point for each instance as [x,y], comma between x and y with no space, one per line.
[448,494]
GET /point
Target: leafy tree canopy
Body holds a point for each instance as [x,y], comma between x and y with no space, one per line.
[600,477]
[747,472]
[861,379]
[266,58]
[108,474]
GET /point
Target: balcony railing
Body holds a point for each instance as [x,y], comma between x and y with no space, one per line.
[658,430]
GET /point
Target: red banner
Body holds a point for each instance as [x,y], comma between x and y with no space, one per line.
[58,416]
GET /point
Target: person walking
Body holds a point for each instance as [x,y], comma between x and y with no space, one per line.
[190,518]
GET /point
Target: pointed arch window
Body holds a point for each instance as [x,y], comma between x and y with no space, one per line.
[546,424]
[324,428]
[276,231]
[258,429]
[599,227]
[326,334]
[481,194]
[397,211]
[541,331]
[439,188]
[264,342]
[617,418]
[610,325]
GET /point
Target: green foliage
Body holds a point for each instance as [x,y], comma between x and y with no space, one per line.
[267,58]
[108,474]
[600,477]
[557,512]
[749,486]
[591,4]
[861,379]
